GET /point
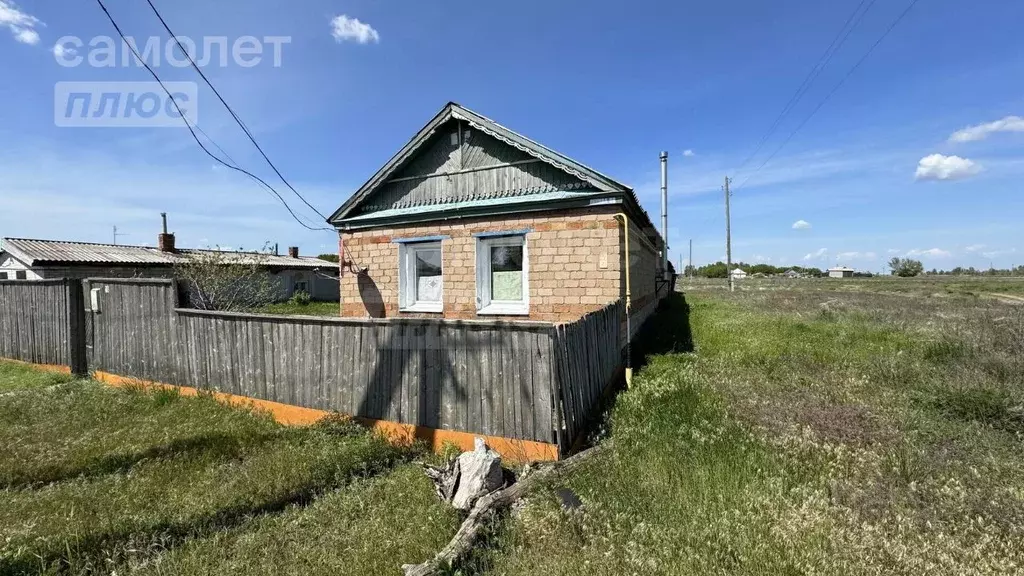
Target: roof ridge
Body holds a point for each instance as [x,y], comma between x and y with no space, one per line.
[541,145]
[6,238]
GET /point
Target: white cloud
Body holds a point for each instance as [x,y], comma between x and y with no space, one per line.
[344,28]
[933,252]
[60,51]
[939,167]
[974,247]
[893,251]
[982,131]
[995,253]
[689,153]
[847,256]
[819,254]
[21,24]
[801,225]
[759,259]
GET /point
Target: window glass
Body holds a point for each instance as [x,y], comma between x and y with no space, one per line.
[507,273]
[420,277]
[428,274]
[3,275]
[20,275]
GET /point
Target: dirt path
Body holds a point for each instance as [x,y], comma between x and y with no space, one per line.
[1008,298]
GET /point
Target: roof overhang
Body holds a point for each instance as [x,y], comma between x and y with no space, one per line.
[479,209]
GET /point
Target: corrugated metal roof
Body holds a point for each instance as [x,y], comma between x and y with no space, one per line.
[437,208]
[54,252]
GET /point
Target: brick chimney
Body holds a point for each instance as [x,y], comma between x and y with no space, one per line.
[165,241]
[293,251]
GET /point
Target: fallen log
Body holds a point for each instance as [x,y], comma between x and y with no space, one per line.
[492,503]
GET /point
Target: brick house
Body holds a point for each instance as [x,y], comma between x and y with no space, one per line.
[472,220]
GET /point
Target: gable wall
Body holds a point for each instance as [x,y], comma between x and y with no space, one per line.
[483,167]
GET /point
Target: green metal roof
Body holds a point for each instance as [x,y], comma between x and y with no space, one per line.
[473,205]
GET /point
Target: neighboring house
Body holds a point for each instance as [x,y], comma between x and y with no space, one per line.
[840,272]
[738,274]
[25,259]
[472,220]
[791,274]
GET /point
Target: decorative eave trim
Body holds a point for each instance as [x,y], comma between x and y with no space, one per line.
[479,212]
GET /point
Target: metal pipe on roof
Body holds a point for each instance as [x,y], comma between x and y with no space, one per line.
[664,213]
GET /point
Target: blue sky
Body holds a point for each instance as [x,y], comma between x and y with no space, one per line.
[882,169]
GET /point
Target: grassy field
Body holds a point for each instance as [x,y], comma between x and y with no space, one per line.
[832,427]
[927,286]
[812,432]
[98,480]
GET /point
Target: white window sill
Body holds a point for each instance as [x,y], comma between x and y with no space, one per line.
[514,309]
[424,307]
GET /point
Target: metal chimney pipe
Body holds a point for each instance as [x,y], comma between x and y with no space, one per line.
[163,216]
[664,212]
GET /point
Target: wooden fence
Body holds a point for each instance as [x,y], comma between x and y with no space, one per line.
[588,356]
[518,380]
[36,323]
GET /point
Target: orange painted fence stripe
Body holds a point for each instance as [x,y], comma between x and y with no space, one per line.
[510,449]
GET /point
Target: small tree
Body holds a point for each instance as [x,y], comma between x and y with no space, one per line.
[906,267]
[228,281]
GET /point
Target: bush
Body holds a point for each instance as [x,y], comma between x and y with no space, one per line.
[301,298]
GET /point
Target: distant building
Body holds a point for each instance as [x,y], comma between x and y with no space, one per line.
[25,259]
[792,274]
[840,272]
[738,274]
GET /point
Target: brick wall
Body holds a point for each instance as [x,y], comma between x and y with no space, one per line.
[644,267]
[574,258]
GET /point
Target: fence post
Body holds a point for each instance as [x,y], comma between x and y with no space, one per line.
[77,358]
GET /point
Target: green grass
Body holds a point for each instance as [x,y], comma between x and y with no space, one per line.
[373,527]
[96,480]
[15,376]
[811,432]
[311,309]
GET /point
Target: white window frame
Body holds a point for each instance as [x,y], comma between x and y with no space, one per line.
[407,280]
[484,304]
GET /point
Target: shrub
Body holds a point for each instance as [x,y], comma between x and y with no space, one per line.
[301,298]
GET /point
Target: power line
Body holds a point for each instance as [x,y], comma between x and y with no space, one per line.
[815,71]
[192,130]
[238,120]
[834,90]
[305,221]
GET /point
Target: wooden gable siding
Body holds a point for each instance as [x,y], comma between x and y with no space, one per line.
[484,167]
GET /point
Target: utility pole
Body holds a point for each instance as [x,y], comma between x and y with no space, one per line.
[728,238]
[691,259]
